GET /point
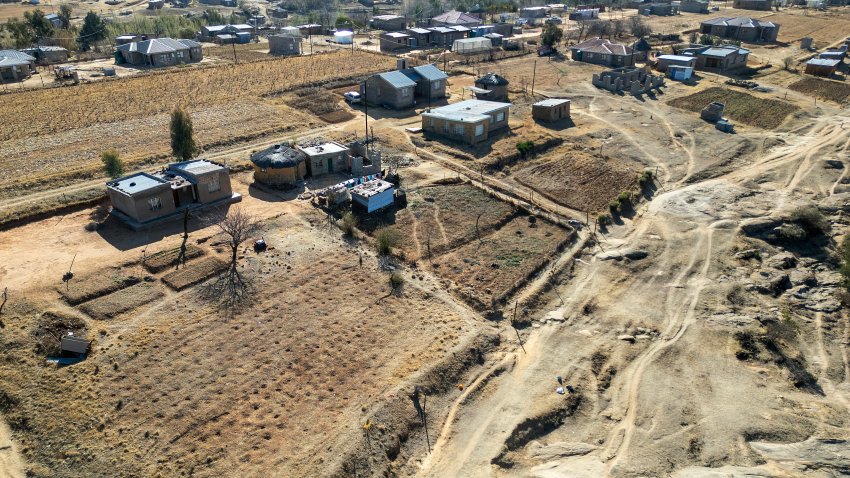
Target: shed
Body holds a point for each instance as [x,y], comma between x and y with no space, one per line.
[713,112]
[243,37]
[472,45]
[285,44]
[680,73]
[279,165]
[74,345]
[665,61]
[821,66]
[551,110]
[373,195]
[326,158]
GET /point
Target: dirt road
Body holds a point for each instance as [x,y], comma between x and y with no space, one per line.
[11,461]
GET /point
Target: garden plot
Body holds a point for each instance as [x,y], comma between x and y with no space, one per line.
[82,289]
[194,273]
[124,300]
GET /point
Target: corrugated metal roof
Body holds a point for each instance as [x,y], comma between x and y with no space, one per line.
[430,72]
[823,62]
[136,183]
[397,79]
[677,58]
[552,102]
[421,31]
[387,17]
[196,166]
[455,17]
[480,107]
[5,61]
[17,55]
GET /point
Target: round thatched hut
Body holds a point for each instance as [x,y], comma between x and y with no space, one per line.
[279,165]
[495,84]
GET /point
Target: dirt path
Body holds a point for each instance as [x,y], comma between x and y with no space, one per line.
[11,461]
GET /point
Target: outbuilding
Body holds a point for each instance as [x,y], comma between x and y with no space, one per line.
[279,165]
[373,195]
[665,61]
[326,158]
[822,66]
[390,23]
[285,44]
[491,87]
[551,110]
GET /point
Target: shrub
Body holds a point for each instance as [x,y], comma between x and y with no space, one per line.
[386,238]
[525,148]
[348,223]
[645,178]
[624,197]
[396,280]
[811,219]
[613,206]
[603,219]
[792,232]
[112,164]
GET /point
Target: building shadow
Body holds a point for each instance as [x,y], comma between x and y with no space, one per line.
[559,125]
[268,193]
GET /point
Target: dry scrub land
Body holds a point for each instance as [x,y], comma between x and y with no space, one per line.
[175,388]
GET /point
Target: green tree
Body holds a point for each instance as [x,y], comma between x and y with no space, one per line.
[65,12]
[93,31]
[182,141]
[112,164]
[40,25]
[20,32]
[551,35]
[214,17]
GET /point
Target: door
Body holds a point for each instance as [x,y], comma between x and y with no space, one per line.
[330,165]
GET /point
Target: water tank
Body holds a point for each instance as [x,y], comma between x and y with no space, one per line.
[344,37]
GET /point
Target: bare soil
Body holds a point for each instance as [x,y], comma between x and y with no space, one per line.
[744,107]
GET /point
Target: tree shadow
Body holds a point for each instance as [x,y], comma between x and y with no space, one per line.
[122,237]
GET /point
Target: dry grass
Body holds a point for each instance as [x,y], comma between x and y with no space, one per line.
[487,271]
[124,300]
[194,273]
[579,180]
[829,90]
[167,259]
[82,289]
[742,107]
[245,53]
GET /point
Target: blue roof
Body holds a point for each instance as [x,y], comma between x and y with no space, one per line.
[430,72]
[397,79]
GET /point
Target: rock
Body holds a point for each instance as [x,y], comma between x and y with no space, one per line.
[783,260]
[558,450]
[730,320]
[636,254]
[833,164]
[626,338]
[757,227]
[802,277]
[610,255]
[747,254]
[829,278]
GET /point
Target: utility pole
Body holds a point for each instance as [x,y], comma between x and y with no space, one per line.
[233,44]
[366,110]
[533,77]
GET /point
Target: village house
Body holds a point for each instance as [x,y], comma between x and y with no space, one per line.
[47,55]
[744,29]
[285,44]
[389,23]
[719,59]
[279,165]
[210,32]
[584,14]
[326,158]
[470,121]
[822,66]
[419,37]
[491,87]
[399,89]
[15,66]
[373,195]
[551,110]
[454,18]
[665,61]
[603,52]
[141,199]
[693,6]
[394,41]
[54,20]
[763,5]
[446,36]
[159,52]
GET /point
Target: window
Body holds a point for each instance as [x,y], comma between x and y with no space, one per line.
[213,185]
[154,204]
[431,122]
[446,127]
[437,84]
[500,116]
[404,92]
[459,129]
[479,129]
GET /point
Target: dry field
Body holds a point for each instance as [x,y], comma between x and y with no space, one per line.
[57,134]
[244,53]
[173,387]
[825,89]
[741,107]
[579,180]
[825,28]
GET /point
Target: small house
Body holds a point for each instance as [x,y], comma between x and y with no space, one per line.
[155,4]
[279,165]
[663,62]
[551,110]
[209,32]
[603,52]
[763,5]
[453,18]
[373,195]
[719,59]
[70,345]
[741,28]
[326,158]
[693,6]
[419,37]
[159,52]
[394,41]
[470,121]
[284,44]
[141,199]
[533,12]
[445,36]
[641,49]
[15,65]
[584,14]
[48,55]
[389,23]
[822,67]
[310,29]
[491,87]
[399,89]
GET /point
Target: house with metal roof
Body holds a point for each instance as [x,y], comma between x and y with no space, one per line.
[603,52]
[822,66]
[47,55]
[446,36]
[399,89]
[719,59]
[142,199]
[470,121]
[741,28]
[665,61]
[551,110]
[389,23]
[15,65]
[419,37]
[159,52]
[453,18]
[209,32]
[394,41]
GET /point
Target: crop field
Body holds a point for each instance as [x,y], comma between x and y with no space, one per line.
[742,107]
[194,272]
[825,89]
[179,389]
[578,180]
[489,270]
[433,216]
[53,136]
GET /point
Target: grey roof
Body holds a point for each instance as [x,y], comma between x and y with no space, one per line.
[190,43]
[157,45]
[745,22]
[552,102]
[5,61]
[278,156]
[430,72]
[397,79]
[136,183]
[442,30]
[396,35]
[455,17]
[724,51]
[196,166]
[387,17]
[459,28]
[17,55]
[823,62]
[492,79]
[469,111]
[51,16]
[833,54]
[604,46]
[420,31]
[676,58]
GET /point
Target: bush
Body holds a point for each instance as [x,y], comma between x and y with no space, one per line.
[645,178]
[348,223]
[613,206]
[603,219]
[387,238]
[112,164]
[624,197]
[396,280]
[792,232]
[811,219]
[525,148]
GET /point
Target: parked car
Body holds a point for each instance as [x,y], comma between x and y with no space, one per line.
[352,97]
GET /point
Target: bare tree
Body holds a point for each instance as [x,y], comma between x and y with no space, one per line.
[232,287]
